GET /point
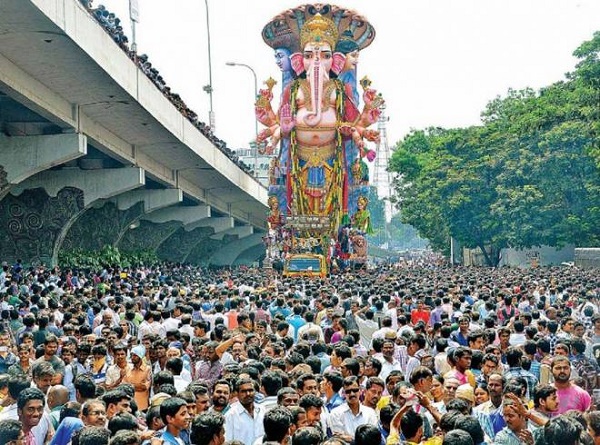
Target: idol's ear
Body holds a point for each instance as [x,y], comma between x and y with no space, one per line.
[297,61]
[339,60]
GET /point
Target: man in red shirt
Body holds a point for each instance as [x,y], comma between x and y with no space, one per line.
[421,313]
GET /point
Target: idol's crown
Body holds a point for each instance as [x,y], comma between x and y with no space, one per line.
[319,29]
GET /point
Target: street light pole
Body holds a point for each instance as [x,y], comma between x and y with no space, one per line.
[209,88]
[255,121]
[255,87]
[134,16]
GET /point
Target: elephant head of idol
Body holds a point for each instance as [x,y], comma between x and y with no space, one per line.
[317,60]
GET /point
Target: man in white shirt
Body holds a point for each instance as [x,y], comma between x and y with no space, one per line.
[392,312]
[107,321]
[344,419]
[175,366]
[169,323]
[310,328]
[518,337]
[146,327]
[186,325]
[386,329]
[388,362]
[243,421]
[16,385]
[366,326]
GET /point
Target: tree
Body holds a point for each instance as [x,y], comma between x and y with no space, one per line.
[404,236]
[376,210]
[547,186]
[528,176]
[449,189]
[586,77]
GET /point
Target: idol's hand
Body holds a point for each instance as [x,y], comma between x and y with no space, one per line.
[264,135]
[286,121]
[263,116]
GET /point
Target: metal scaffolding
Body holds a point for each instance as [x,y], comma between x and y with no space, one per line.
[383,179]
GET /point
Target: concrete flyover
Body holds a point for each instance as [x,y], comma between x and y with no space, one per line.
[93,154]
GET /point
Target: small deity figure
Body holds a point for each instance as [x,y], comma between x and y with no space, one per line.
[282,60]
[360,172]
[359,246]
[347,46]
[275,219]
[361,220]
[273,171]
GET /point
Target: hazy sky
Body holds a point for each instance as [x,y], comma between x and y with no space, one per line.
[437,62]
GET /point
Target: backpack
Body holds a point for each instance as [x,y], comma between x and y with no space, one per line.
[587,372]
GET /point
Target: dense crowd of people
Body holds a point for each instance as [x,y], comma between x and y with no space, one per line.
[420,354]
[400,353]
[112,25]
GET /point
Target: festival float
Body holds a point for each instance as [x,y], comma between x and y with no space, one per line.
[318,136]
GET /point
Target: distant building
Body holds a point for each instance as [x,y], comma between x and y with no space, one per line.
[523,258]
[257,163]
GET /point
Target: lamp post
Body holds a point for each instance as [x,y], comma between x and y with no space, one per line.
[209,88]
[255,121]
[134,16]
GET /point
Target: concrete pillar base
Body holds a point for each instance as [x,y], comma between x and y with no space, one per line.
[69,193]
[179,245]
[230,251]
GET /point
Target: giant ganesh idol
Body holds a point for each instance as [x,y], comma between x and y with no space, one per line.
[319,125]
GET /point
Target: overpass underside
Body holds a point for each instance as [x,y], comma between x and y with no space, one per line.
[92,154]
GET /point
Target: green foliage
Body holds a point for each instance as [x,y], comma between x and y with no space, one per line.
[376,210]
[405,236]
[107,256]
[587,80]
[528,176]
